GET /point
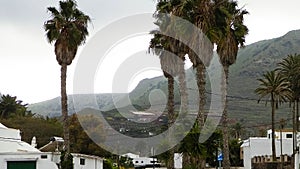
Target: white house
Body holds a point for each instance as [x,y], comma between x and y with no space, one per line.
[261,146]
[142,161]
[82,161]
[131,155]
[15,153]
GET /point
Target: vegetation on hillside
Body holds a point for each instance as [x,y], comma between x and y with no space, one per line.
[252,62]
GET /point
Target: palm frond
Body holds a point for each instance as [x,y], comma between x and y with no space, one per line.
[67,28]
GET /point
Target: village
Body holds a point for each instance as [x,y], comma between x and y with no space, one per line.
[149,84]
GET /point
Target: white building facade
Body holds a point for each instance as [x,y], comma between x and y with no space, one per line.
[16,154]
[261,146]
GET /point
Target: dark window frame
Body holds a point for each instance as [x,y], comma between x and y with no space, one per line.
[82,161]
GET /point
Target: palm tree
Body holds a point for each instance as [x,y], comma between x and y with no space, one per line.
[237,129]
[289,67]
[220,21]
[231,36]
[11,107]
[172,66]
[8,106]
[199,13]
[275,87]
[160,45]
[68,29]
[194,150]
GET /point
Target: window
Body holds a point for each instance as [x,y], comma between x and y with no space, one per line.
[289,135]
[43,156]
[82,161]
[142,161]
[21,164]
[136,162]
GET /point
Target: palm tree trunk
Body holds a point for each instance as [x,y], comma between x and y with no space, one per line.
[171,115]
[297,112]
[273,128]
[186,163]
[200,75]
[198,160]
[182,88]
[226,161]
[184,101]
[64,108]
[171,118]
[294,132]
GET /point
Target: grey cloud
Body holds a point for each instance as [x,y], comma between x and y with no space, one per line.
[34,11]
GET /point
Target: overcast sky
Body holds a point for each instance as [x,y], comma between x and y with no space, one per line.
[28,68]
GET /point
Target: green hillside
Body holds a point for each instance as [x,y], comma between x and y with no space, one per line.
[252,62]
[53,108]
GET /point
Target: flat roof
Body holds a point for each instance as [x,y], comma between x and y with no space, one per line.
[142,113]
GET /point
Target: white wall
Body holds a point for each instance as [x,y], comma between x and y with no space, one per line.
[246,157]
[277,134]
[141,161]
[90,163]
[177,160]
[13,149]
[10,133]
[40,163]
[262,146]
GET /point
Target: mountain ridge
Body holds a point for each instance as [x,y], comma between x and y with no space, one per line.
[252,61]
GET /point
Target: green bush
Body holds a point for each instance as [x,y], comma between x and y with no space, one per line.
[107,164]
[66,164]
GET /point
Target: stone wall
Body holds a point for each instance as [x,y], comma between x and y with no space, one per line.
[266,162]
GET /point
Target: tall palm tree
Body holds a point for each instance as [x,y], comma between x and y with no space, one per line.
[171,65]
[275,87]
[219,20]
[160,45]
[289,67]
[231,36]
[200,52]
[67,28]
[199,13]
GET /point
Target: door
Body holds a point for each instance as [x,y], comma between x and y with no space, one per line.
[21,165]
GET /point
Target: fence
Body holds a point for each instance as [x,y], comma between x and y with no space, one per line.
[266,162]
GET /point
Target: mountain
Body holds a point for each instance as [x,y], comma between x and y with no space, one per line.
[53,108]
[259,57]
[252,61]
